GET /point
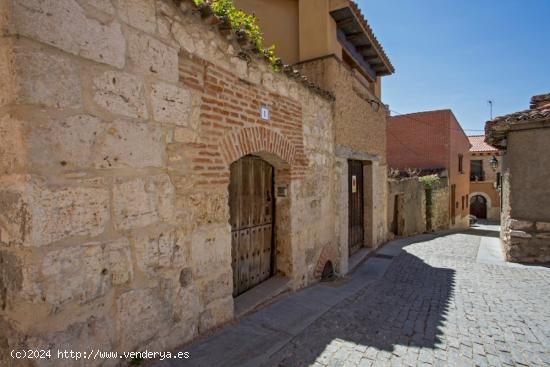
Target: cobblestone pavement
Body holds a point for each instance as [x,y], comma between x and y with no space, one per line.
[435,305]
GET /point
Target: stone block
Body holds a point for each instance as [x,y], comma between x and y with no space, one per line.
[92,333]
[141,315]
[7,70]
[543,236]
[63,212]
[11,278]
[15,214]
[216,314]
[520,234]
[541,226]
[216,288]
[120,93]
[103,5]
[142,201]
[211,251]
[46,79]
[185,135]
[64,24]
[84,273]
[138,13]
[129,144]
[162,250]
[152,57]
[12,147]
[70,142]
[521,225]
[185,305]
[174,105]
[118,261]
[73,274]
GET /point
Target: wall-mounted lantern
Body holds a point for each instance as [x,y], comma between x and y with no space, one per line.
[494,163]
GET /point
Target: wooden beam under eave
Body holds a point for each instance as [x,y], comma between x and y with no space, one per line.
[362,48]
[354,37]
[345,22]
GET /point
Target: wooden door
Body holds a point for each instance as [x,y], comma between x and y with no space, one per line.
[478,206]
[251,218]
[356,209]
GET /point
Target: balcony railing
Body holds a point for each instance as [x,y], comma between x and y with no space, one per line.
[477,177]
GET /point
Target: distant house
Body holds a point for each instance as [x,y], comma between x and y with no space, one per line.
[525,139]
[434,140]
[485,175]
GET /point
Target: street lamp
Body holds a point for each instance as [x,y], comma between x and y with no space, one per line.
[494,163]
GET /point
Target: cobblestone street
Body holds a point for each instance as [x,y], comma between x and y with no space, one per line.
[429,300]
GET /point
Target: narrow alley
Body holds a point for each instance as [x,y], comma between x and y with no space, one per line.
[442,299]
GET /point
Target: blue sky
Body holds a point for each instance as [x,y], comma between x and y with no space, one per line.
[459,54]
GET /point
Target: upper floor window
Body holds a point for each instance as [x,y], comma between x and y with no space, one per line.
[460,163]
[476,170]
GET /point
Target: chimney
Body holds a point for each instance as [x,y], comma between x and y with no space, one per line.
[540,101]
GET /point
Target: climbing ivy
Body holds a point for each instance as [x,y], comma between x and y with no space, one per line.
[243,22]
[429,183]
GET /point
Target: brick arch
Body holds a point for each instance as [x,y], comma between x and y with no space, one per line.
[257,139]
[329,252]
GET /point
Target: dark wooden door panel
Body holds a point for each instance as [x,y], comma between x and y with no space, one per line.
[356,210]
[251,210]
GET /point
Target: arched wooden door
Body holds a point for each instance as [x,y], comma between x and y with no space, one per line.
[251,204]
[478,206]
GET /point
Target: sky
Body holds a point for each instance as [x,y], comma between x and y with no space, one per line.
[459,54]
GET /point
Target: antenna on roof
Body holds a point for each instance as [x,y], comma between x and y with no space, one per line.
[490,102]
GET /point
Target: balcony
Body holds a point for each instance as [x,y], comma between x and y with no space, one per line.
[477,177]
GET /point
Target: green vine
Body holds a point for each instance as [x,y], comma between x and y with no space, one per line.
[429,182]
[242,22]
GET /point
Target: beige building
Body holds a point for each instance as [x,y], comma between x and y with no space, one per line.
[525,221]
[485,178]
[331,42]
[154,169]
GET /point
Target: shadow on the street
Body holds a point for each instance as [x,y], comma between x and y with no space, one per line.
[409,307]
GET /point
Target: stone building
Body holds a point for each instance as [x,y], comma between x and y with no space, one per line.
[434,140]
[485,174]
[415,207]
[525,220]
[154,167]
[330,42]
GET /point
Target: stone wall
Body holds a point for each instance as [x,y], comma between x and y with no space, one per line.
[360,134]
[411,207]
[118,123]
[440,206]
[525,217]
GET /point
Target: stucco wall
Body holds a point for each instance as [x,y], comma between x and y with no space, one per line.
[526,198]
[491,195]
[118,123]
[279,21]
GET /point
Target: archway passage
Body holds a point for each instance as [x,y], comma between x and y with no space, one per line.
[478,206]
[251,204]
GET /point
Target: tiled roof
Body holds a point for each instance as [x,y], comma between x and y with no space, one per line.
[371,35]
[479,144]
[497,128]
[527,115]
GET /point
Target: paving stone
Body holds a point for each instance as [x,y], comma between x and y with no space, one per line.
[434,305]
